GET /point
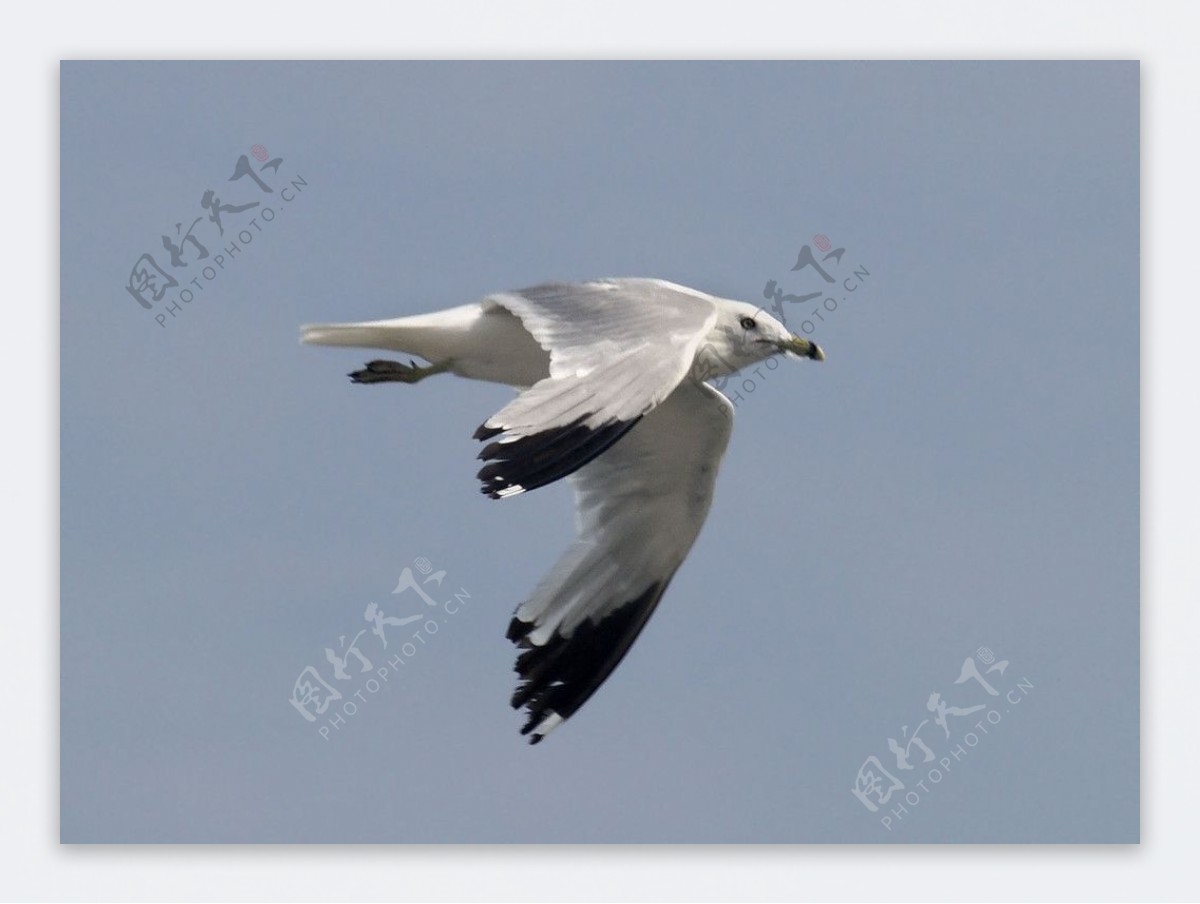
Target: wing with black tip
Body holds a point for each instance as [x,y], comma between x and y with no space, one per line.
[617,349]
[640,507]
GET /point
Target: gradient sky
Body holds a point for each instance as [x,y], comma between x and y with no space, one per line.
[961,472]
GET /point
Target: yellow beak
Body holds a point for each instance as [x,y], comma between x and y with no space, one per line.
[798,345]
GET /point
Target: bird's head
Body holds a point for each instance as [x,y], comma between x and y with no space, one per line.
[745,334]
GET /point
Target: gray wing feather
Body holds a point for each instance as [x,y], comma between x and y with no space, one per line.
[617,349]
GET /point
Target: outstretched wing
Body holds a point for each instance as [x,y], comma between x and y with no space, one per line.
[617,349]
[640,507]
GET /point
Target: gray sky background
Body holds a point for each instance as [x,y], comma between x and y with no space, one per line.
[962,471]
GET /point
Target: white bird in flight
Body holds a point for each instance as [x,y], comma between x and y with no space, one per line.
[613,396]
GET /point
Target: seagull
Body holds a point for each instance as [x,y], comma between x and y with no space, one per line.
[613,396]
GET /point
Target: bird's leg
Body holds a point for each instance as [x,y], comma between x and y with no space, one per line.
[395,372]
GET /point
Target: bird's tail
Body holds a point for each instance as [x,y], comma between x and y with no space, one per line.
[432,336]
[389,334]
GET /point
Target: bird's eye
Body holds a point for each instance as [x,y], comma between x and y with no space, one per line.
[748,323]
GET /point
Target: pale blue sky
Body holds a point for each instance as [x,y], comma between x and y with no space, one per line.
[962,471]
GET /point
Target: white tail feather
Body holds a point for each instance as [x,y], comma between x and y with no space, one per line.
[432,336]
[389,334]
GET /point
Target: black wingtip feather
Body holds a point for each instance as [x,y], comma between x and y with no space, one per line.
[533,461]
[483,431]
[517,629]
[560,675]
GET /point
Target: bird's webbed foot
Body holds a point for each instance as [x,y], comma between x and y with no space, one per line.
[380,371]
